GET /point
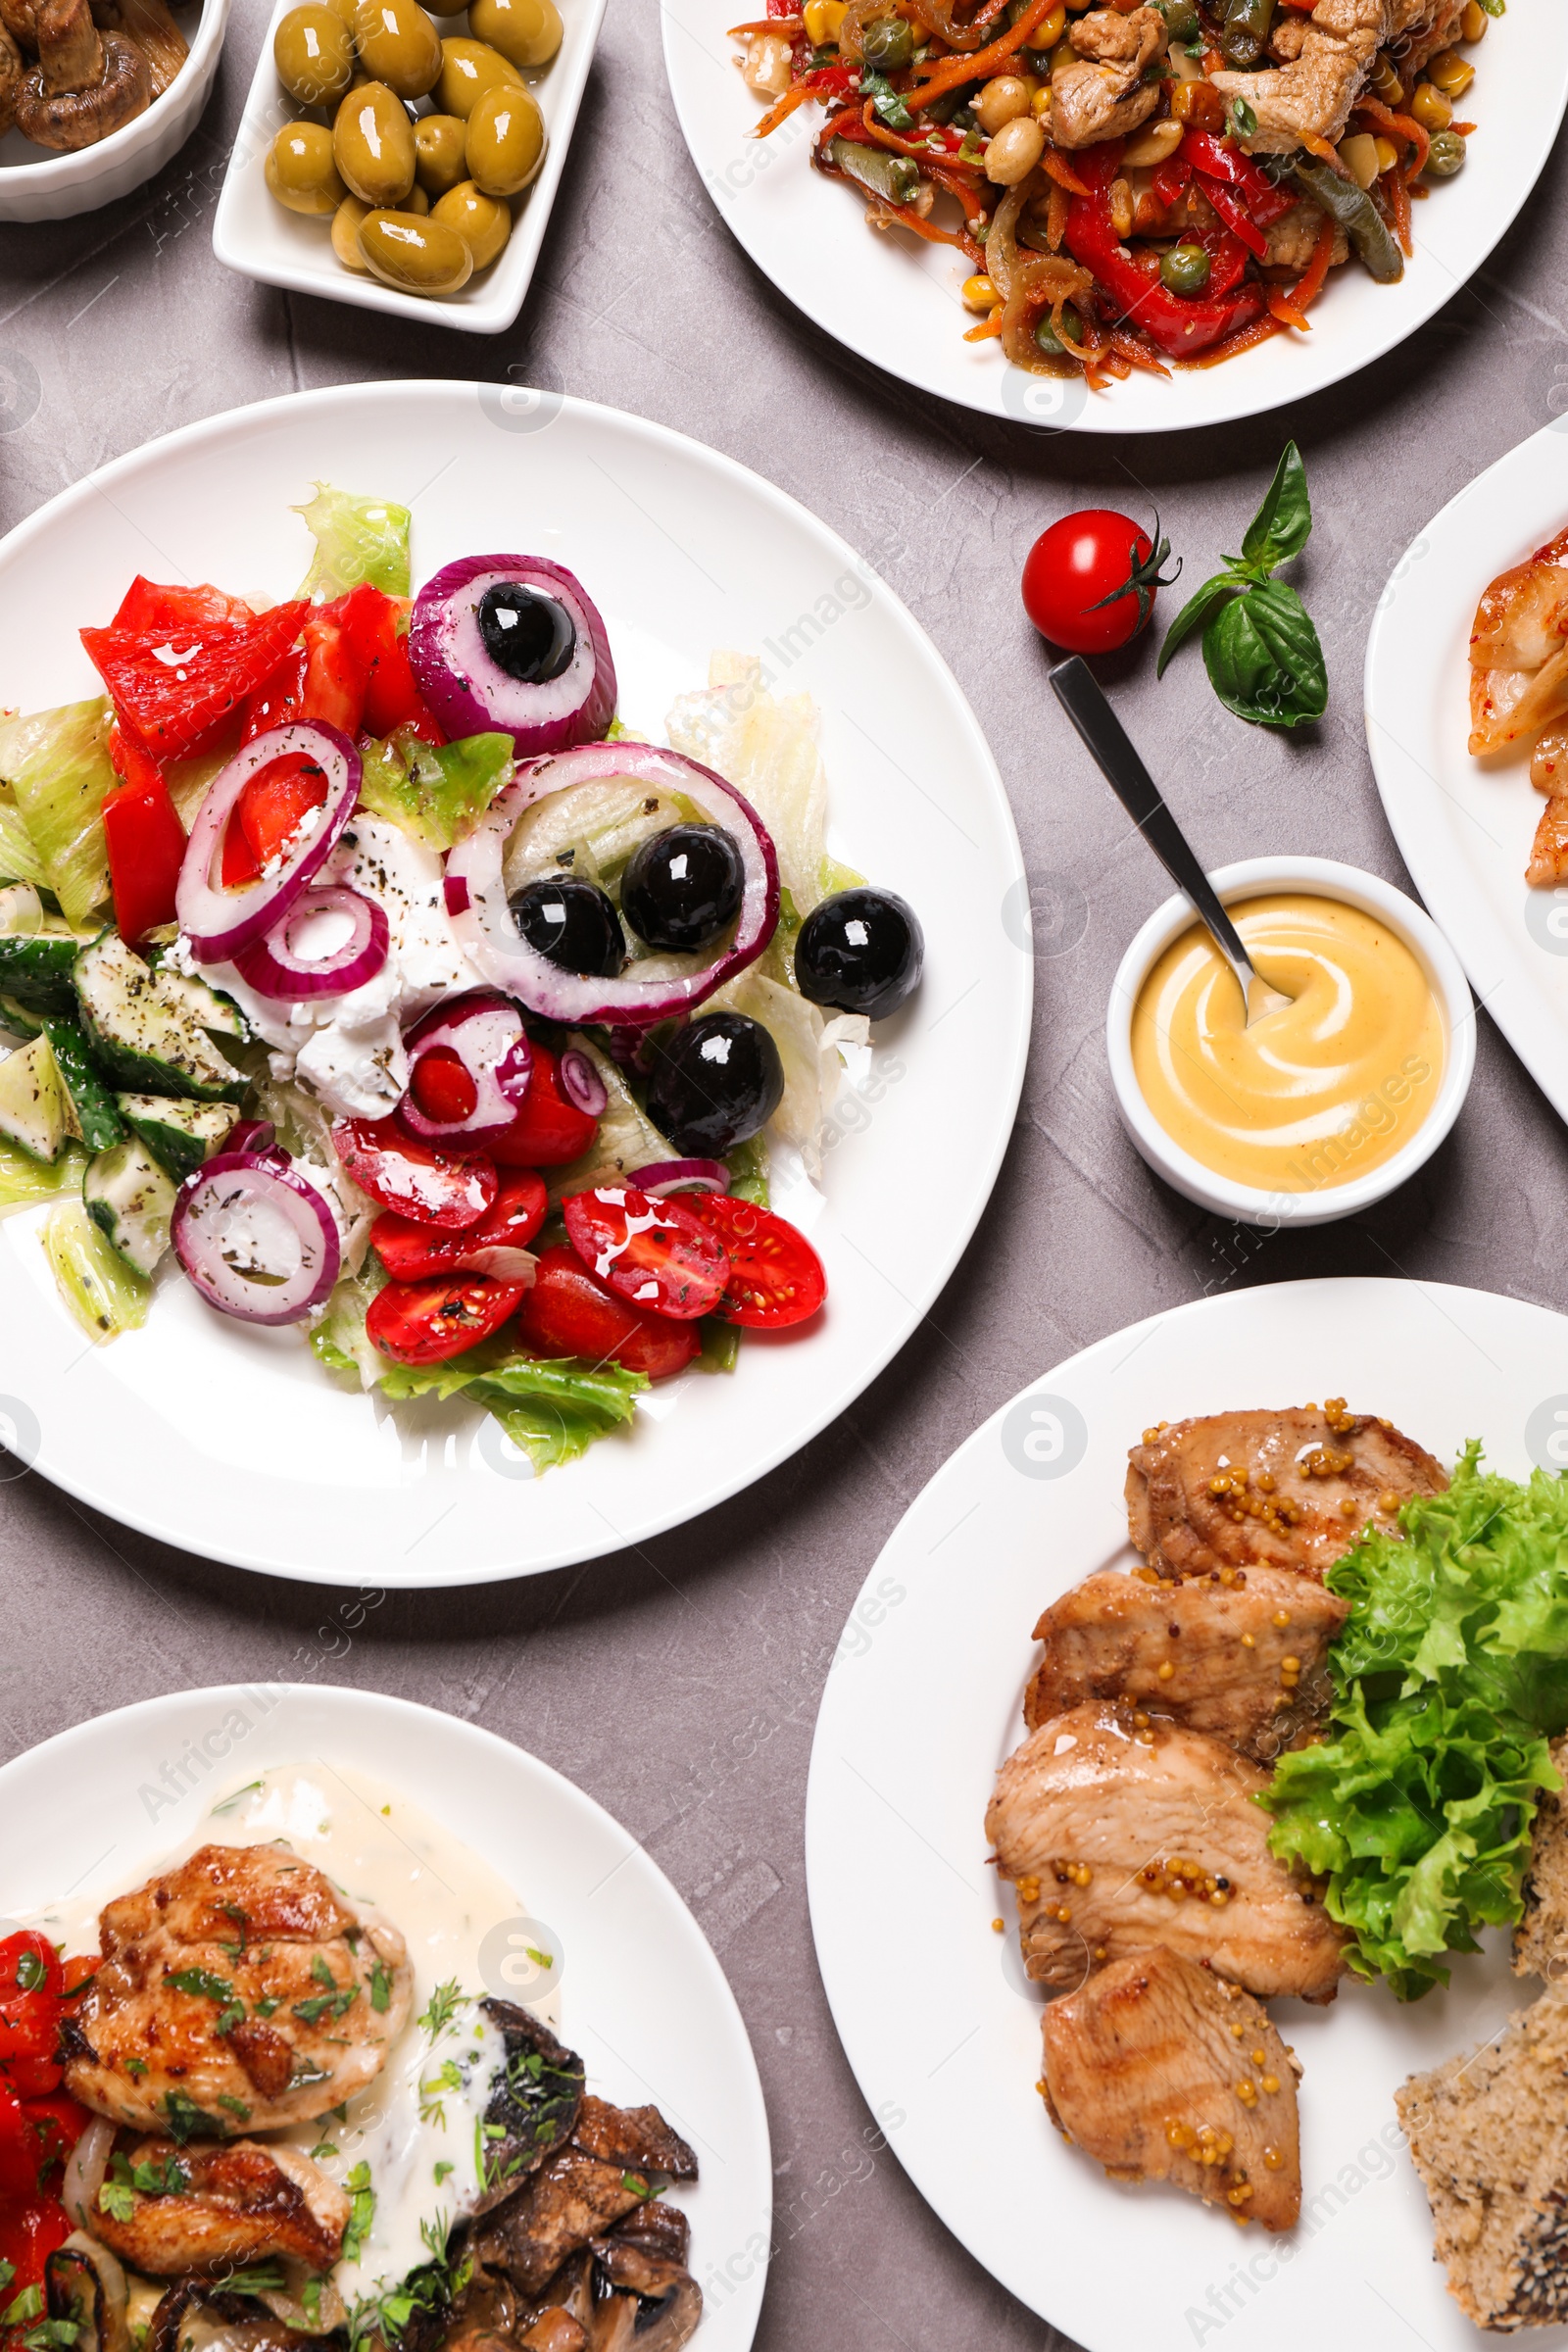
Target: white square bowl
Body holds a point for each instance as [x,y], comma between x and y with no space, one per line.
[254,234]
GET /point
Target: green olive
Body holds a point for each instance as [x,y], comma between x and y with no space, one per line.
[528,31]
[439,161]
[422,257]
[346,234]
[1046,336]
[373,144]
[1445,155]
[887,44]
[506,143]
[467,69]
[398,46]
[299,169]
[344,9]
[1185,269]
[445,8]
[314,52]
[482,221]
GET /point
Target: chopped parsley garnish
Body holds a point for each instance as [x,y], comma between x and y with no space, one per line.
[445,2002]
[8,2270]
[128,2182]
[634,2185]
[270,2006]
[234,2106]
[334,2005]
[263,2279]
[303,2072]
[29,2305]
[229,1803]
[322,2147]
[362,2211]
[31,1972]
[187,2121]
[432,2090]
[443,2169]
[137,2068]
[51,2335]
[202,1984]
[310,2297]
[380,1988]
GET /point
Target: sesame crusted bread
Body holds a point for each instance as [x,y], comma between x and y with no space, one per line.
[1540,1940]
[1488,2136]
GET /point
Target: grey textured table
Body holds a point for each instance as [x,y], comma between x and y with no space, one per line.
[679,1684]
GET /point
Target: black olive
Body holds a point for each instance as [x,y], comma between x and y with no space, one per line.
[573,923]
[719,1082]
[683,888]
[526,633]
[860,951]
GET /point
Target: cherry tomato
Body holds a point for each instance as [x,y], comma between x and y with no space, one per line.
[652,1253]
[775,1276]
[425,1322]
[430,1187]
[1089,582]
[410,1252]
[268,813]
[569,1312]
[549,1130]
[443,1085]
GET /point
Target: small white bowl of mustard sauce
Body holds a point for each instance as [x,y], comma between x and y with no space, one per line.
[1329,1103]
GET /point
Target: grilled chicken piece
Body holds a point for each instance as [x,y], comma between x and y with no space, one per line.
[1311,96]
[1116,1840]
[211,2208]
[1293,238]
[615,2157]
[1243,1661]
[1290,1490]
[1519,689]
[1163,2072]
[237,1990]
[1101,93]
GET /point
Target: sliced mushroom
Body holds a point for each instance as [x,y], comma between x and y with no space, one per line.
[197,2315]
[653,2305]
[86,2287]
[659,2228]
[149,25]
[556,2331]
[68,120]
[534,2105]
[20,19]
[10,72]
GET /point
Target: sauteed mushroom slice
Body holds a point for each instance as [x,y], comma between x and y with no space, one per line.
[68,119]
[86,2287]
[11,74]
[644,2303]
[71,55]
[534,2105]
[20,20]
[149,25]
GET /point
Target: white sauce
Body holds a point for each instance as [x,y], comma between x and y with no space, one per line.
[383,1854]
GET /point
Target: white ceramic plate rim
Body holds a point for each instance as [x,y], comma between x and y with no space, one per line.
[921,1283]
[60,1765]
[1191,398]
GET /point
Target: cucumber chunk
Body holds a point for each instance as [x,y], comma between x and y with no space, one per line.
[179,1135]
[17,1020]
[130,1201]
[141,1031]
[105,1294]
[90,1113]
[37,971]
[220,1016]
[33,1101]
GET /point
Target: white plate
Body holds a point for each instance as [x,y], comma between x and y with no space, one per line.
[229,1439]
[1464,826]
[253,233]
[890,300]
[924,1702]
[642,1997]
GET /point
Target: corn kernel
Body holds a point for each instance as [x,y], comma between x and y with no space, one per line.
[1166,1671]
[1388,156]
[1473,23]
[979,293]
[1386,82]
[824,19]
[1431,109]
[1451,73]
[1049,30]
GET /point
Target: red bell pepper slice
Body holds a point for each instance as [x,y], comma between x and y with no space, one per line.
[268,813]
[144,838]
[278,698]
[1227,257]
[1179,324]
[1219,158]
[1234,216]
[148,607]
[180,688]
[1169,179]
[373,639]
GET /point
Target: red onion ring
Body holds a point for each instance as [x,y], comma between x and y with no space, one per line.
[287,1218]
[220,922]
[487,1035]
[583,1084]
[481,920]
[257,1135]
[666,1176]
[85,2172]
[469,691]
[274,967]
[502,1261]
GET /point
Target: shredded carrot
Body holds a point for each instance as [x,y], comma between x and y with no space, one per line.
[795,96]
[848,118]
[1324,152]
[1062,171]
[932,163]
[1403,128]
[787,25]
[1400,205]
[1245,338]
[1056,219]
[976,64]
[1282,308]
[933,235]
[1138,353]
[966,191]
[987,327]
[1309,285]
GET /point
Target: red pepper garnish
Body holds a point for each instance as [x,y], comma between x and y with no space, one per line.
[1169,179]
[1234,215]
[144,838]
[1180,324]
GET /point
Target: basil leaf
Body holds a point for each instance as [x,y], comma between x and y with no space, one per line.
[1264,661]
[1283,523]
[1197,611]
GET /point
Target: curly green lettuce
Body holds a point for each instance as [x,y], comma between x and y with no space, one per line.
[1450,1675]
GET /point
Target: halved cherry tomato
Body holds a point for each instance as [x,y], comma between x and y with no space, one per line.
[180,686]
[569,1312]
[443,1085]
[432,1187]
[775,1276]
[268,813]
[410,1252]
[425,1322]
[549,1131]
[652,1253]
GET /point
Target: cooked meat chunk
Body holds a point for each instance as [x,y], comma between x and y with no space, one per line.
[1163,2072]
[1101,94]
[1540,1940]
[1547,863]
[1244,1662]
[211,2208]
[638,2136]
[1116,1840]
[617,2156]
[1548,762]
[1293,239]
[1311,96]
[1282,1490]
[1488,2132]
[237,1992]
[1518,654]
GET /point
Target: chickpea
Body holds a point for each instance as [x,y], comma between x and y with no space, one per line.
[1155,145]
[979,294]
[1014,151]
[1001,101]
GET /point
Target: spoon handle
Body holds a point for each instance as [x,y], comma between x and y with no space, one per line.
[1110,748]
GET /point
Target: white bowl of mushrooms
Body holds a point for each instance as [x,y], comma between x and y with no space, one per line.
[96,95]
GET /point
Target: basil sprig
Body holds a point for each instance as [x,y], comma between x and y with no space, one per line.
[1260,648]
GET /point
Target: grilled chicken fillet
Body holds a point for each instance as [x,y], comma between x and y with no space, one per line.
[1116,1840]
[1243,1661]
[1163,2071]
[1290,1490]
[214,2208]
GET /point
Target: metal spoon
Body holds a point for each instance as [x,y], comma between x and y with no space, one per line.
[1110,748]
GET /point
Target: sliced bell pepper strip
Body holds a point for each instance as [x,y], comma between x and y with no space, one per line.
[144,838]
[1219,159]
[180,688]
[1181,325]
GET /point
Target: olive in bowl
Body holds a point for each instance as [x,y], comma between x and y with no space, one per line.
[860,951]
[574,924]
[682,889]
[715,1085]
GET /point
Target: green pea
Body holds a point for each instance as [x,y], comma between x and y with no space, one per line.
[1445,155]
[887,45]
[1185,269]
[1046,338]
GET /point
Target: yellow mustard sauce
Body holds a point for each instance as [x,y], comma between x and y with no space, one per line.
[1317,1093]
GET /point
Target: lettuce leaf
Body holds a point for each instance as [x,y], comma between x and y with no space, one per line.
[57,766]
[434,792]
[25,1181]
[1450,1677]
[106,1295]
[552,1411]
[356,539]
[19,862]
